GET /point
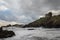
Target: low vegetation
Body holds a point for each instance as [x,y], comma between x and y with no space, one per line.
[48,21]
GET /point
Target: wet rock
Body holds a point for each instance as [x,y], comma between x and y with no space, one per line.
[31,29]
[6,34]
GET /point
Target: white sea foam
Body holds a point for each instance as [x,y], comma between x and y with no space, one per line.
[39,33]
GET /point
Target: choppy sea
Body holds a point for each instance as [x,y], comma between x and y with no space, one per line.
[36,34]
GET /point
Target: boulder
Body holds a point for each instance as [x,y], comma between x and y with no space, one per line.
[6,34]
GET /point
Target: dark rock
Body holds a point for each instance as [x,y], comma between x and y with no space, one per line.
[6,34]
[31,29]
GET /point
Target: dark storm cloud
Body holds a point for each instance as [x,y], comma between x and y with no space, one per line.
[55,4]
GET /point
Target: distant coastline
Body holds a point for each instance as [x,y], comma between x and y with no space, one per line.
[48,21]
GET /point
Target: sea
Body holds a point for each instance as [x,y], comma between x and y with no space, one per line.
[35,34]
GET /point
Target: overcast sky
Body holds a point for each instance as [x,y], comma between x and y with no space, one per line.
[25,11]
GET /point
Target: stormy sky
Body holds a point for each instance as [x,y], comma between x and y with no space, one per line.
[25,11]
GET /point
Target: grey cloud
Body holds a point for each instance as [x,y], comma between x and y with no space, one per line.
[31,9]
[7,16]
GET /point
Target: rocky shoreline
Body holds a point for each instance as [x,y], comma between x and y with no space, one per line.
[6,33]
[49,21]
